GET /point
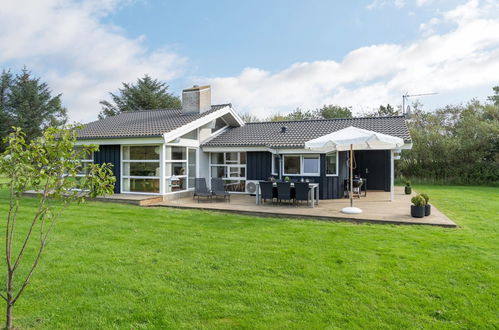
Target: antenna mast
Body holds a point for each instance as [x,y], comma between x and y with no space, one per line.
[406,96]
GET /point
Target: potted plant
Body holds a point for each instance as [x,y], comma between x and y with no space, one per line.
[418,207]
[286,179]
[408,188]
[427,207]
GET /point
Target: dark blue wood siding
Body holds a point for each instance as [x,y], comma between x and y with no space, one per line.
[258,165]
[110,154]
[375,165]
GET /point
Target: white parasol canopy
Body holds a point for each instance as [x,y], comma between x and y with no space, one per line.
[356,138]
[353,138]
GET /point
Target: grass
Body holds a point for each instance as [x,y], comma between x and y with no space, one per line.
[119,266]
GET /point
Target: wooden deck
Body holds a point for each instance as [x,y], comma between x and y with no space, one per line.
[376,207]
[134,199]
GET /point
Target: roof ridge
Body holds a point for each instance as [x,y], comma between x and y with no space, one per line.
[322,119]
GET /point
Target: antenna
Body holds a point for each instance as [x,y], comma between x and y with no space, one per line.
[407,95]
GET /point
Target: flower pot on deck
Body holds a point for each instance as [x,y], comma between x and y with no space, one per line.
[427,210]
[417,211]
[408,190]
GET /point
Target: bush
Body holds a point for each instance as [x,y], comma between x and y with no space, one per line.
[418,200]
[426,198]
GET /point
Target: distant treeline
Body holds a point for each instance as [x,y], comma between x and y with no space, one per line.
[454,145]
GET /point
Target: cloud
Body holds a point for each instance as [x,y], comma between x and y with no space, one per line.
[464,57]
[68,45]
[382,3]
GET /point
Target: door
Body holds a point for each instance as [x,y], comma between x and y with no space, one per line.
[374,166]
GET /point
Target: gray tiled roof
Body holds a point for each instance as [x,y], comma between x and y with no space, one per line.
[268,134]
[144,123]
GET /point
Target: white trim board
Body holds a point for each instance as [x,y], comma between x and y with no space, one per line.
[127,141]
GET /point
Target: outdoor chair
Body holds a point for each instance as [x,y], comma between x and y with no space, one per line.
[284,191]
[302,191]
[218,189]
[201,190]
[267,191]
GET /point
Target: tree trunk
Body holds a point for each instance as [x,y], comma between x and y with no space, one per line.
[8,320]
[10,304]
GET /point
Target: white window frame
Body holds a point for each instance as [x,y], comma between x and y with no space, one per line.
[82,161]
[161,169]
[274,170]
[228,166]
[337,163]
[186,175]
[301,165]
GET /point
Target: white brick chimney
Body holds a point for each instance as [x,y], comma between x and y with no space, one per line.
[196,99]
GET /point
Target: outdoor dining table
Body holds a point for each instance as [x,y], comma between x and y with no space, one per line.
[313,189]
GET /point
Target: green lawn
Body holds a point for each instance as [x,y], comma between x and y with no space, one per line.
[118,266]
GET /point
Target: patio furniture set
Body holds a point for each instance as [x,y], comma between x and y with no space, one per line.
[291,192]
[217,189]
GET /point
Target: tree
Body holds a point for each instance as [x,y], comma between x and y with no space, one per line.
[48,164]
[384,111]
[26,102]
[297,114]
[277,117]
[146,94]
[494,98]
[334,111]
[455,144]
[5,118]
[249,118]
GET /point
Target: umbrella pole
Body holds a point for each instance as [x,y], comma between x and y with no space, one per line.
[351,175]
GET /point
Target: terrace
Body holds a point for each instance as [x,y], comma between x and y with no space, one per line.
[376,206]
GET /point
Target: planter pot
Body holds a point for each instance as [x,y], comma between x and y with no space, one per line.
[408,190]
[417,211]
[427,209]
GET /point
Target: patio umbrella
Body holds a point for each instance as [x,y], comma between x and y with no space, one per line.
[353,138]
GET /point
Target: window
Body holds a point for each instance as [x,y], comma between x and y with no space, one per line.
[88,158]
[302,165]
[83,163]
[230,167]
[275,164]
[191,167]
[219,124]
[141,169]
[180,168]
[192,135]
[332,164]
[310,165]
[292,165]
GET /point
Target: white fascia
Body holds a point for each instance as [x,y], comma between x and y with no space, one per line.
[137,140]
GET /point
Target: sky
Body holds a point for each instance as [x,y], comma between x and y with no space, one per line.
[264,57]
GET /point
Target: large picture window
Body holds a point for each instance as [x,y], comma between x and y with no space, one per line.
[230,167]
[303,165]
[141,169]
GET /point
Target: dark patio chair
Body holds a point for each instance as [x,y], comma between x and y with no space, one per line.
[302,192]
[201,190]
[284,191]
[218,189]
[267,191]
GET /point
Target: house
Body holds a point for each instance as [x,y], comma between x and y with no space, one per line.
[161,152]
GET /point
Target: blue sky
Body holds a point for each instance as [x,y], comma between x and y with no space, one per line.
[263,56]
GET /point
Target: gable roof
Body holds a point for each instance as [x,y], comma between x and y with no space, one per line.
[143,123]
[268,134]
